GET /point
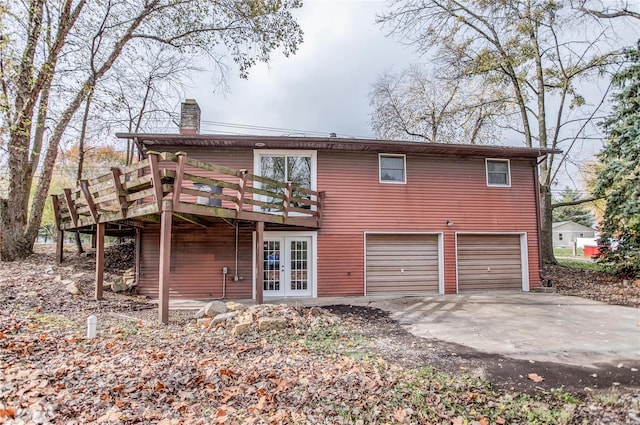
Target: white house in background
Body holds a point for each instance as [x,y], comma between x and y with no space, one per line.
[565,233]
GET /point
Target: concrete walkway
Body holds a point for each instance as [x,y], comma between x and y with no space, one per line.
[528,326]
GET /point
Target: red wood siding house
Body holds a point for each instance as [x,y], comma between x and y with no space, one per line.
[466,233]
[241,217]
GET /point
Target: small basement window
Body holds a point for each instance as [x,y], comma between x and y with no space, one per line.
[498,172]
[393,168]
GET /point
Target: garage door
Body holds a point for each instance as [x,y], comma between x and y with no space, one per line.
[402,264]
[489,263]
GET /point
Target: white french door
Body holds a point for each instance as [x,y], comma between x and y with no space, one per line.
[287,266]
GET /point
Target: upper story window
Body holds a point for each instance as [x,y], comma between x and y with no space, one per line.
[393,168]
[297,167]
[498,172]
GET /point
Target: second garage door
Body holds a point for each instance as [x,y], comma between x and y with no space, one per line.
[401,264]
[489,263]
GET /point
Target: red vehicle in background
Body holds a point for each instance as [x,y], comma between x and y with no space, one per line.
[600,250]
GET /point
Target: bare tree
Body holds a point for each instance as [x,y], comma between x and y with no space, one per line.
[414,104]
[606,9]
[141,98]
[534,47]
[45,73]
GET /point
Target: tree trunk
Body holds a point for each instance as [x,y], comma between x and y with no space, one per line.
[13,244]
[546,231]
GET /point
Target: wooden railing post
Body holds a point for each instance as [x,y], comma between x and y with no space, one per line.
[71,206]
[320,207]
[120,193]
[286,200]
[84,187]
[155,179]
[177,181]
[242,191]
[56,210]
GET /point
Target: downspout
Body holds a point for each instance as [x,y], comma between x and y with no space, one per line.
[536,190]
[235,268]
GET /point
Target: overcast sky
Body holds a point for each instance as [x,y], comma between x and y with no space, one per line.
[322,88]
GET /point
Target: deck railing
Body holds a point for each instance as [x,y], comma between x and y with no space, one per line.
[197,189]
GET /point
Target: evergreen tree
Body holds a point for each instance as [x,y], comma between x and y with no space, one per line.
[619,178]
[576,213]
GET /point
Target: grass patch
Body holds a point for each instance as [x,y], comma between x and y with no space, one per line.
[567,252]
[607,398]
[45,320]
[432,394]
[583,265]
[328,339]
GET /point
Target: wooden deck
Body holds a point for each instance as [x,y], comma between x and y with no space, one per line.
[137,193]
[167,187]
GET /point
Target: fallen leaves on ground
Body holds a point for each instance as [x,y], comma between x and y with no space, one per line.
[535,377]
[595,285]
[317,370]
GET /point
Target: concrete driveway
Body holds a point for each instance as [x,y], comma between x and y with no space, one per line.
[528,326]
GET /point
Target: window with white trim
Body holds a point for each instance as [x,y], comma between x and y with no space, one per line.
[498,172]
[392,168]
[297,167]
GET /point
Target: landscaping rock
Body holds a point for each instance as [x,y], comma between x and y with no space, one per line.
[241,328]
[204,322]
[269,323]
[234,306]
[72,288]
[119,286]
[214,308]
[245,317]
[223,317]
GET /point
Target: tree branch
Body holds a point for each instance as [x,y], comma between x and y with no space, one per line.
[578,202]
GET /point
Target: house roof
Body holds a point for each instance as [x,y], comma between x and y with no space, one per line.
[331,143]
[559,224]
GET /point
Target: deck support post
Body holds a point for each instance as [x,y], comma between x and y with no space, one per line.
[259,262]
[60,246]
[165,261]
[138,251]
[100,227]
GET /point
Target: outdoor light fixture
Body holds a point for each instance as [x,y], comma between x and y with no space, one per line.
[259,145]
[449,223]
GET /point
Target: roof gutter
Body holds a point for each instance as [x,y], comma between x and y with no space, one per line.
[332,143]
